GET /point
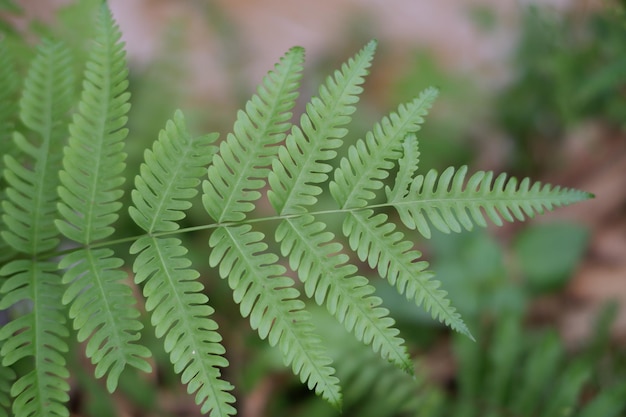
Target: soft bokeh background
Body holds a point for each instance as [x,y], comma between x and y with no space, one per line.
[534,88]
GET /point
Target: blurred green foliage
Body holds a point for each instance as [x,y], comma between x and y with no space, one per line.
[569,67]
[510,371]
[547,254]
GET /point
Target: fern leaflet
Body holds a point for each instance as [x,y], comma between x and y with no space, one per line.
[31,197]
[348,296]
[39,334]
[301,161]
[168,179]
[451,204]
[102,306]
[376,240]
[169,176]
[407,167]
[239,169]
[266,295]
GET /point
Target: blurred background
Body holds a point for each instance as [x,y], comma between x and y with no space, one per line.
[533,88]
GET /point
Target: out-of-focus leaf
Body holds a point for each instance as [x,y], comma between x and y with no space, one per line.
[548,254]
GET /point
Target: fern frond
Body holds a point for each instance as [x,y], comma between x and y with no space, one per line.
[40,334]
[265,294]
[240,168]
[103,312]
[169,176]
[329,279]
[48,94]
[102,305]
[376,240]
[258,282]
[31,194]
[300,165]
[368,161]
[301,161]
[450,204]
[180,313]
[93,160]
[29,210]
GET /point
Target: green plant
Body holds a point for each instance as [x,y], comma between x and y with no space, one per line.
[577,62]
[62,209]
[512,370]
[516,372]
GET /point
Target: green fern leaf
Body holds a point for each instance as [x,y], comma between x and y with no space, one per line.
[102,305]
[301,161]
[329,278]
[450,204]
[376,240]
[369,160]
[180,313]
[31,198]
[239,169]
[169,177]
[102,310]
[265,294]
[258,283]
[29,208]
[48,94]
[300,165]
[94,161]
[40,334]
